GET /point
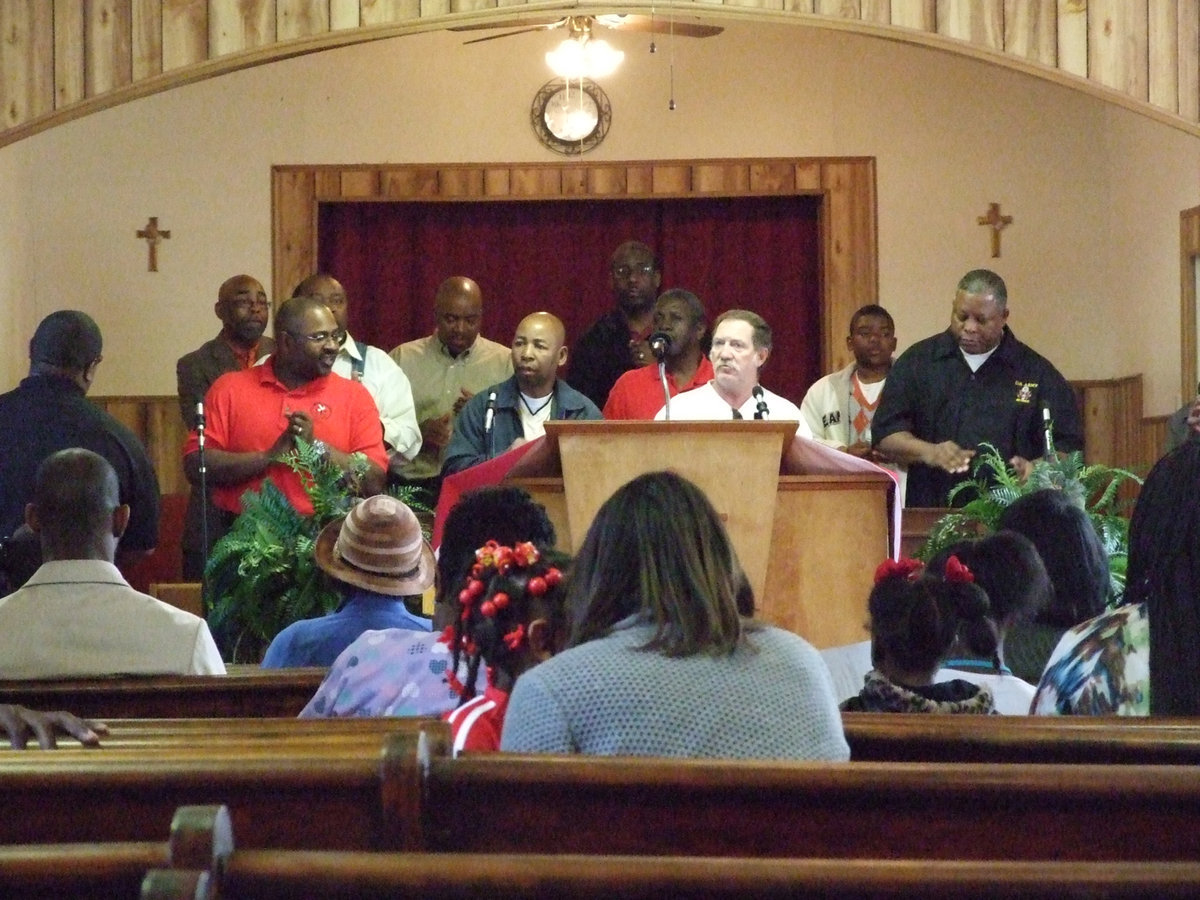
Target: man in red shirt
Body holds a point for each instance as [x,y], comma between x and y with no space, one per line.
[255,416]
[638,394]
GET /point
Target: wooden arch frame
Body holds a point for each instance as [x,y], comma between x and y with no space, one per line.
[846,185]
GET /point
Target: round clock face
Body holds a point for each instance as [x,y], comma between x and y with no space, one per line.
[571,117]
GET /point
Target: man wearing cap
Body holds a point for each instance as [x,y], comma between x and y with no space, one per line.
[48,411]
[378,556]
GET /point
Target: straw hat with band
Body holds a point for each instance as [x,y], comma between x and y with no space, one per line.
[378,546]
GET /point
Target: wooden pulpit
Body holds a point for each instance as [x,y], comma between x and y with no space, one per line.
[809,543]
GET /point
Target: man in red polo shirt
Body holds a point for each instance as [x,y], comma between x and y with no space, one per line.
[255,416]
[638,394]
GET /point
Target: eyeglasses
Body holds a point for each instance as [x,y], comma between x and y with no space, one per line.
[322,337]
[625,271]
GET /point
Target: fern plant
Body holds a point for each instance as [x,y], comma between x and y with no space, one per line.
[261,576]
[994,486]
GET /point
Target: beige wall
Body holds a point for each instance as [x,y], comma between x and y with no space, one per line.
[1091,259]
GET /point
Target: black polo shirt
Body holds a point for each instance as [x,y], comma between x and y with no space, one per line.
[48,413]
[600,357]
[932,393]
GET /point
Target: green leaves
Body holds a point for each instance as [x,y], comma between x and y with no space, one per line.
[261,576]
[993,486]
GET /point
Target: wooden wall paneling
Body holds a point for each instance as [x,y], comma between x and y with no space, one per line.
[876,11]
[808,175]
[720,177]
[26,60]
[1189,250]
[1112,419]
[147,34]
[1118,49]
[979,21]
[773,178]
[1162,41]
[461,183]
[409,183]
[672,179]
[245,25]
[607,180]
[329,183]
[639,179]
[535,181]
[1031,30]
[344,14]
[846,9]
[1072,37]
[850,268]
[108,45]
[918,14]
[293,227]
[442,7]
[301,18]
[184,33]
[386,12]
[359,184]
[68,53]
[1188,31]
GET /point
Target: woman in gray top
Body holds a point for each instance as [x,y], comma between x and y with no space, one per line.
[660,662]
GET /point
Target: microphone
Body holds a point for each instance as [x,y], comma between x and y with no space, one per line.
[760,410]
[489,417]
[490,414]
[659,343]
[200,416]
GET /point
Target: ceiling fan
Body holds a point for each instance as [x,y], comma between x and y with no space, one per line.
[580,27]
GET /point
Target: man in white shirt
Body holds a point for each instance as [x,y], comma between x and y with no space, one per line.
[741,343]
[378,372]
[77,616]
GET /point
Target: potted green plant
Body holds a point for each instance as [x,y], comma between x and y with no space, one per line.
[995,486]
[261,576]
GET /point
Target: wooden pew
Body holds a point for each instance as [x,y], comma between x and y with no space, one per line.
[320,788]
[900,737]
[205,834]
[245,691]
[98,871]
[557,804]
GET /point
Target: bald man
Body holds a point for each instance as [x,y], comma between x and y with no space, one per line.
[448,368]
[519,407]
[244,310]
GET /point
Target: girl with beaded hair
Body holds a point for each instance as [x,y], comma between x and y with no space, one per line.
[660,662]
[916,620]
[509,616]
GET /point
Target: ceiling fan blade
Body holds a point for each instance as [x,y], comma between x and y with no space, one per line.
[495,37]
[530,22]
[659,24]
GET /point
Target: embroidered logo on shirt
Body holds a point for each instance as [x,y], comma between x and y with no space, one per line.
[321,411]
[1025,391]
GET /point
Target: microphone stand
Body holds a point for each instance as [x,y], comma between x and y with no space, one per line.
[203,497]
[662,376]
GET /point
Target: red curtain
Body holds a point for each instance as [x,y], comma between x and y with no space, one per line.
[759,253]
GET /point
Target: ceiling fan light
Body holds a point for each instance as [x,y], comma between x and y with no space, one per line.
[601,58]
[567,60]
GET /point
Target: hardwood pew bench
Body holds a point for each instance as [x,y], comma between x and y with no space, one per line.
[905,737]
[206,834]
[310,792]
[99,871]
[643,806]
[245,691]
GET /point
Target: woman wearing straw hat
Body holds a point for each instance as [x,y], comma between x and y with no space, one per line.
[377,556]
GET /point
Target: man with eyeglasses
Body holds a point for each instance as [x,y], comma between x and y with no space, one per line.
[616,342]
[255,417]
[378,372]
[243,309]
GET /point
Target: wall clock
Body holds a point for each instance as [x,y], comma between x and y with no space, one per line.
[571,117]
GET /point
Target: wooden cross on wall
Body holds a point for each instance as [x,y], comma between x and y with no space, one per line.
[153,237]
[997,223]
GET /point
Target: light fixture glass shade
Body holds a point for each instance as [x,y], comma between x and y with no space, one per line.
[584,59]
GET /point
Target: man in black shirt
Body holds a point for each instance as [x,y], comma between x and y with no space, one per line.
[972,384]
[48,411]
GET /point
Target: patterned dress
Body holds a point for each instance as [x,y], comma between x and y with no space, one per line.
[880,694]
[1101,667]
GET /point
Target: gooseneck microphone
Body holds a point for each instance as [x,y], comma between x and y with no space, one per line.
[489,418]
[660,343]
[760,410]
